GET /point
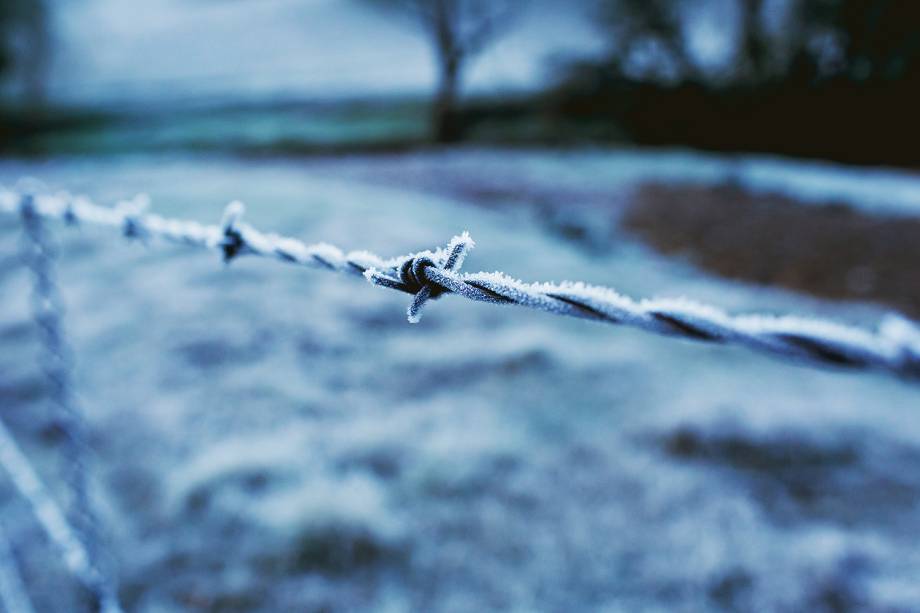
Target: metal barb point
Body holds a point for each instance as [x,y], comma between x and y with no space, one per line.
[232,242]
[27,206]
[411,276]
[132,212]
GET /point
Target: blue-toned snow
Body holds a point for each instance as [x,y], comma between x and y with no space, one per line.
[604,172]
[272,438]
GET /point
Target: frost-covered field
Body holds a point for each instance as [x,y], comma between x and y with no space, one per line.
[279,439]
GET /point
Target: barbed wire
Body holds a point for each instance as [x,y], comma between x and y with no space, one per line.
[38,254]
[429,274]
[51,517]
[13,594]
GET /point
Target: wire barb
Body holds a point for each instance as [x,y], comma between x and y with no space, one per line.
[412,276]
[232,242]
[429,274]
[132,213]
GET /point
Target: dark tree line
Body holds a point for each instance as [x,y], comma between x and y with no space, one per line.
[25,45]
[860,40]
[817,39]
[828,78]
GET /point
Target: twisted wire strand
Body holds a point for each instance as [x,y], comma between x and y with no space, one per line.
[39,253]
[894,347]
[13,594]
[48,311]
[49,515]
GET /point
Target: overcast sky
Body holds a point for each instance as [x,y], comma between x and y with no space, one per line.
[186,49]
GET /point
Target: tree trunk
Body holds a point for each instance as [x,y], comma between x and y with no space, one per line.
[445,120]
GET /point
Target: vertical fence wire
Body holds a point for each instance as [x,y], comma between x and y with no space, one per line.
[39,253]
[13,594]
[46,510]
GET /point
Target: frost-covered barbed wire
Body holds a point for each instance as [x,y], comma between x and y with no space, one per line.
[38,254]
[13,594]
[52,519]
[894,347]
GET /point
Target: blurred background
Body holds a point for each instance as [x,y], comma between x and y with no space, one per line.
[268,438]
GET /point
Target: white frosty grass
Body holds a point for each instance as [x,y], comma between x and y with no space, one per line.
[316,504]
[284,488]
[599,171]
[312,476]
[236,458]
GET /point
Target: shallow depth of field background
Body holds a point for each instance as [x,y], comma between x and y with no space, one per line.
[271,438]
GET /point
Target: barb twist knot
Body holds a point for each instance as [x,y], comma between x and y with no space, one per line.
[415,274]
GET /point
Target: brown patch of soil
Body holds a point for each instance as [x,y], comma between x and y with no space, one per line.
[830,250]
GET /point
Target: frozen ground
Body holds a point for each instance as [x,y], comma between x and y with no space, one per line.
[593,174]
[278,439]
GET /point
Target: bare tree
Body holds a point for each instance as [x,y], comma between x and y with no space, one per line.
[458,30]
